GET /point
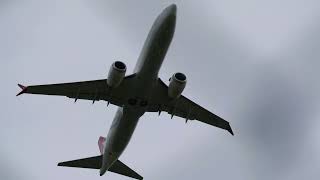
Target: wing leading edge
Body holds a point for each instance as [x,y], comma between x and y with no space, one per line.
[184,108]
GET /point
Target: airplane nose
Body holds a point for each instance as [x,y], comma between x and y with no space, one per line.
[171,10]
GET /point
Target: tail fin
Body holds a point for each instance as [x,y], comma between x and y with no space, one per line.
[101,144]
[96,162]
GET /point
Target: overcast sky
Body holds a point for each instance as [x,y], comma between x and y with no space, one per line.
[253,62]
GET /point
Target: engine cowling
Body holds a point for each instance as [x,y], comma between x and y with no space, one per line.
[177,84]
[116,74]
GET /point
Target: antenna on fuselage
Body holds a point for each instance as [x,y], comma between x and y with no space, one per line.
[95,96]
[75,99]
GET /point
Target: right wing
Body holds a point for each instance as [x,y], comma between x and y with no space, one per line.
[184,108]
[89,90]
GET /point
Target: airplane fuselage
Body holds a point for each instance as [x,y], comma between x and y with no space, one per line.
[146,77]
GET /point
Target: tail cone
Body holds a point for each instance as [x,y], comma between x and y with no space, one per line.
[102,171]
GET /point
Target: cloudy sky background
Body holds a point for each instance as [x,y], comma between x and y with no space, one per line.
[255,63]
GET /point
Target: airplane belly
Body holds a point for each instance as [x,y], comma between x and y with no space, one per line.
[119,135]
[156,45]
[124,131]
[146,71]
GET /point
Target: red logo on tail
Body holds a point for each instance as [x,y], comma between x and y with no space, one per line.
[101,144]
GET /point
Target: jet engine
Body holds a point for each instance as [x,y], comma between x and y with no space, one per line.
[178,82]
[116,74]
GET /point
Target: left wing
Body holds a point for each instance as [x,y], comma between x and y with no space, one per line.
[183,107]
[89,90]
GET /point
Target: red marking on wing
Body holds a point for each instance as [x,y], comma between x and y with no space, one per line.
[24,89]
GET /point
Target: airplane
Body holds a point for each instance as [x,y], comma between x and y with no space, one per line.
[143,91]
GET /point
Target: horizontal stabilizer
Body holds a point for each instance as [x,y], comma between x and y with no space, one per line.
[120,168]
[95,163]
[91,163]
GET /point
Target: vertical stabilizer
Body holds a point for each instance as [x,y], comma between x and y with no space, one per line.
[102,144]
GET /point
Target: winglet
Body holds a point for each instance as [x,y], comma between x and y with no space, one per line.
[230,130]
[23,89]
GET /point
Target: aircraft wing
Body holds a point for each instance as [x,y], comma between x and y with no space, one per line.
[89,90]
[184,108]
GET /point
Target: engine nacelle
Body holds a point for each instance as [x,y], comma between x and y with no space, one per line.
[178,82]
[116,74]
